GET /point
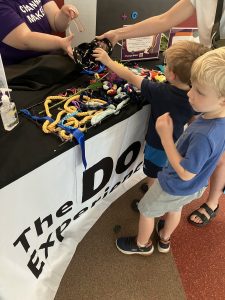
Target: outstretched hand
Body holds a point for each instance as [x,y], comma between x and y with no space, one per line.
[101,55]
[164,126]
[66,45]
[110,35]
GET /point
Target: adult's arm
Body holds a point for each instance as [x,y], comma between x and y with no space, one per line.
[24,39]
[181,11]
[59,19]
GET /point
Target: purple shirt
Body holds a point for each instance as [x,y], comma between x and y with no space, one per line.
[12,14]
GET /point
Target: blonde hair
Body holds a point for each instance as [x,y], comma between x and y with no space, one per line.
[209,69]
[180,57]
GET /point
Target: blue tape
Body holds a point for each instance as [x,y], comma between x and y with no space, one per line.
[79,136]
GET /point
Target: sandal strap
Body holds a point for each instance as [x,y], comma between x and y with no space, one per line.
[209,211]
[203,217]
[163,240]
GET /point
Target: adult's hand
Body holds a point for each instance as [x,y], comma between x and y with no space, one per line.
[59,19]
[70,11]
[110,35]
[178,13]
[65,44]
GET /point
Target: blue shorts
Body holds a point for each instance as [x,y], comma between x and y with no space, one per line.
[154,160]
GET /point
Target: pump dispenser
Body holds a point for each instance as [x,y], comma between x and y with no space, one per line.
[7,108]
[8,111]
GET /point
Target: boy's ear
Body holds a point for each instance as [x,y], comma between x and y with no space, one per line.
[173,75]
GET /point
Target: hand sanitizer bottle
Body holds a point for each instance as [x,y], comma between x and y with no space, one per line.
[8,113]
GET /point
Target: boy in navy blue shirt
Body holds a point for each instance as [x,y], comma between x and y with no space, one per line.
[191,163]
[163,97]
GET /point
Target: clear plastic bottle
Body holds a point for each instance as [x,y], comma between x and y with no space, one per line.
[8,113]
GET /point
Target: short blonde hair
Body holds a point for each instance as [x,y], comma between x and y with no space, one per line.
[209,69]
[180,57]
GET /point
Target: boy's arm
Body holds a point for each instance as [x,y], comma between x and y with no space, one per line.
[164,127]
[120,70]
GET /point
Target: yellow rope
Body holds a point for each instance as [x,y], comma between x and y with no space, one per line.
[72,121]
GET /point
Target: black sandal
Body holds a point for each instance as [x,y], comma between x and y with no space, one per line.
[205,220]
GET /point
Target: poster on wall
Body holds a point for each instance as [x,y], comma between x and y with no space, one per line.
[179,34]
[141,48]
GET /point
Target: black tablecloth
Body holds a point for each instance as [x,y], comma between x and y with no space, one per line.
[26,147]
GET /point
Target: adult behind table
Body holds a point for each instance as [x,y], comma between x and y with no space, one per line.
[27,26]
[181,11]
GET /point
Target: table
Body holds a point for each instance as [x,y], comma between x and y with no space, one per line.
[48,201]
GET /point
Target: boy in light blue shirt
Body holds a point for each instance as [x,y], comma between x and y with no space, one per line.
[191,162]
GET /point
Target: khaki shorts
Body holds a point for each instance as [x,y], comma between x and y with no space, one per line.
[156,202]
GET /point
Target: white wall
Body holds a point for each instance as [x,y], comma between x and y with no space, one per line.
[87,9]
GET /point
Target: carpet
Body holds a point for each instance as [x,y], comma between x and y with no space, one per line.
[99,271]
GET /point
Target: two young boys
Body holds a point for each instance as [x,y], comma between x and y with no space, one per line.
[163,98]
[197,153]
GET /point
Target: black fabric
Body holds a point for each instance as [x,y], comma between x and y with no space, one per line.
[26,147]
[219,10]
[83,53]
[215,33]
[40,72]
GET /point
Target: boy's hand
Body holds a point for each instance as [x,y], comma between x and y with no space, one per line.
[164,126]
[102,56]
[70,11]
